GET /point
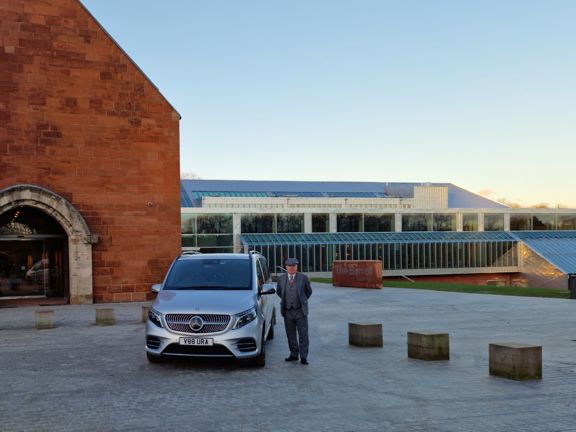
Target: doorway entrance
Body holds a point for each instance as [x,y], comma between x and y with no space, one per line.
[33,255]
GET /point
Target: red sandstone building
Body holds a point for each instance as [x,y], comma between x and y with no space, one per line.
[89,161]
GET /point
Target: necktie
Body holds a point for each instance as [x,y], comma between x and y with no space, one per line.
[291,278]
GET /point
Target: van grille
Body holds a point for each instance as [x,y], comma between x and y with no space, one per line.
[212,323]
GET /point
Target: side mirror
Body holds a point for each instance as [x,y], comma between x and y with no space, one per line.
[268,291]
[156,288]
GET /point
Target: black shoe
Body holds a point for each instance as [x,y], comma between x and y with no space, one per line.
[304,361]
[291,358]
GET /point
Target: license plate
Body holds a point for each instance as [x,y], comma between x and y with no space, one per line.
[196,341]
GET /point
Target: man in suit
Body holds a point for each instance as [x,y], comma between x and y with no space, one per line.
[294,289]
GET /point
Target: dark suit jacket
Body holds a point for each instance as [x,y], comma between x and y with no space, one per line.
[303,286]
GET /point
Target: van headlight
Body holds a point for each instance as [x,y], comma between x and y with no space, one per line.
[245,317]
[155,317]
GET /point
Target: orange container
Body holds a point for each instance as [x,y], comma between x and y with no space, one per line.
[357,274]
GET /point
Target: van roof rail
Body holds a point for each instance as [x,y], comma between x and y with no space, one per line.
[189,252]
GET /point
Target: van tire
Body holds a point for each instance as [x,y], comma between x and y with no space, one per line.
[154,358]
[271,331]
[260,359]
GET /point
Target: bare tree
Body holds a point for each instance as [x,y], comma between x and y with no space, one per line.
[508,203]
[189,176]
[543,205]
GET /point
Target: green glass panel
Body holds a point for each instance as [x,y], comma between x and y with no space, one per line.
[567,222]
[215,240]
[378,222]
[470,222]
[520,222]
[289,223]
[188,241]
[444,222]
[188,223]
[214,224]
[543,222]
[493,222]
[416,222]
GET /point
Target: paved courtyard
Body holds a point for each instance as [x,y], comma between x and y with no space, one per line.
[80,377]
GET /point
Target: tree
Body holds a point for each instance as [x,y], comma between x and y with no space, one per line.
[189,176]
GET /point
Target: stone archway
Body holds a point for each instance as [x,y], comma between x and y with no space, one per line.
[80,239]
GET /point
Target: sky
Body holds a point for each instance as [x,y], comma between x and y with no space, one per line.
[478,93]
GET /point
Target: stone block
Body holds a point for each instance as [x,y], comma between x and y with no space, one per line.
[145,312]
[365,335]
[358,274]
[425,345]
[516,361]
[44,319]
[105,316]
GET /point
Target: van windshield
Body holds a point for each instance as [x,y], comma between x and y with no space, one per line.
[209,274]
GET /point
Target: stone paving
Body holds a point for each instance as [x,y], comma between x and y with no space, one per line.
[81,377]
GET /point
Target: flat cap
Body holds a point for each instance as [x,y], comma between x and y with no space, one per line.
[291,261]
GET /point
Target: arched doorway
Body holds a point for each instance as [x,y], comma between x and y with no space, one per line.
[45,246]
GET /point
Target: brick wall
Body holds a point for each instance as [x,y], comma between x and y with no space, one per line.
[78,117]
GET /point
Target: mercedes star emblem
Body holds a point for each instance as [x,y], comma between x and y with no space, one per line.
[196,323]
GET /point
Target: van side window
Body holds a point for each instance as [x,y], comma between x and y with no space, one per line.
[265,269]
[259,274]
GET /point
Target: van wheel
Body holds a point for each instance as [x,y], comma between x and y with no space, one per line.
[154,358]
[272,324]
[260,361]
[270,332]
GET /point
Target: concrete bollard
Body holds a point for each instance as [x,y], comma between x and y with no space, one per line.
[145,312]
[44,319]
[516,361]
[365,335]
[424,345]
[105,316]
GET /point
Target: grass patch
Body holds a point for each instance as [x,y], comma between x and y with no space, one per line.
[473,289]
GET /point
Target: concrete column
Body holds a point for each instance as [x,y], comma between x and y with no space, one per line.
[506,221]
[236,231]
[333,223]
[398,222]
[480,221]
[459,221]
[80,267]
[307,222]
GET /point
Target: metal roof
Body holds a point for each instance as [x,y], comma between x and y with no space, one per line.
[374,237]
[193,190]
[556,247]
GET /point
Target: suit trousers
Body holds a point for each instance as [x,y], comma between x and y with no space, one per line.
[296,324]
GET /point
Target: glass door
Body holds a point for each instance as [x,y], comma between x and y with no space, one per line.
[33,268]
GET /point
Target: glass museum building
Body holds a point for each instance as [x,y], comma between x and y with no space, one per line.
[431,231]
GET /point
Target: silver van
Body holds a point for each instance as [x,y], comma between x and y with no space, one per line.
[213,305]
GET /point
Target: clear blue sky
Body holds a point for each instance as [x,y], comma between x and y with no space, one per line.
[479,93]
